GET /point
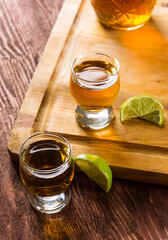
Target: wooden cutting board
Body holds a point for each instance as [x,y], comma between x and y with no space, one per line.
[135,150]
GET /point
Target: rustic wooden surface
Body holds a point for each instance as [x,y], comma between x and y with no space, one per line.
[49,106]
[130,210]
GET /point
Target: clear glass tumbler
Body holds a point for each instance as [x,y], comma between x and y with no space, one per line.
[123,14]
[94,85]
[47,170]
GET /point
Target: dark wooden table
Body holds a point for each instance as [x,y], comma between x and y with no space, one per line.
[130,210]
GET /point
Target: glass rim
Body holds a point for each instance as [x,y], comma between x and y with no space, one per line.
[35,170]
[98,53]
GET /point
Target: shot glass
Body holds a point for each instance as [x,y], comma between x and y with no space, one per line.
[94,85]
[47,170]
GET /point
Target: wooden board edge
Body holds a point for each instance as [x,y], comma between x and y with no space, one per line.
[25,121]
[125,162]
[140,176]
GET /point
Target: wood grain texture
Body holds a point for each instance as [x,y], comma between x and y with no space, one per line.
[39,85]
[48,105]
[131,210]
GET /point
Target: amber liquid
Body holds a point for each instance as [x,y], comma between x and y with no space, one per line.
[99,94]
[123,14]
[46,155]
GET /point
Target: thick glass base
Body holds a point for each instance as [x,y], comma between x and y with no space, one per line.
[52,204]
[128,28]
[118,27]
[94,119]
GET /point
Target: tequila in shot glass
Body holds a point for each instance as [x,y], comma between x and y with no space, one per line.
[46,169]
[94,85]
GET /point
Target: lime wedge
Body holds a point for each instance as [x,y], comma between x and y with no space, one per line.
[143,106]
[155,117]
[96,168]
